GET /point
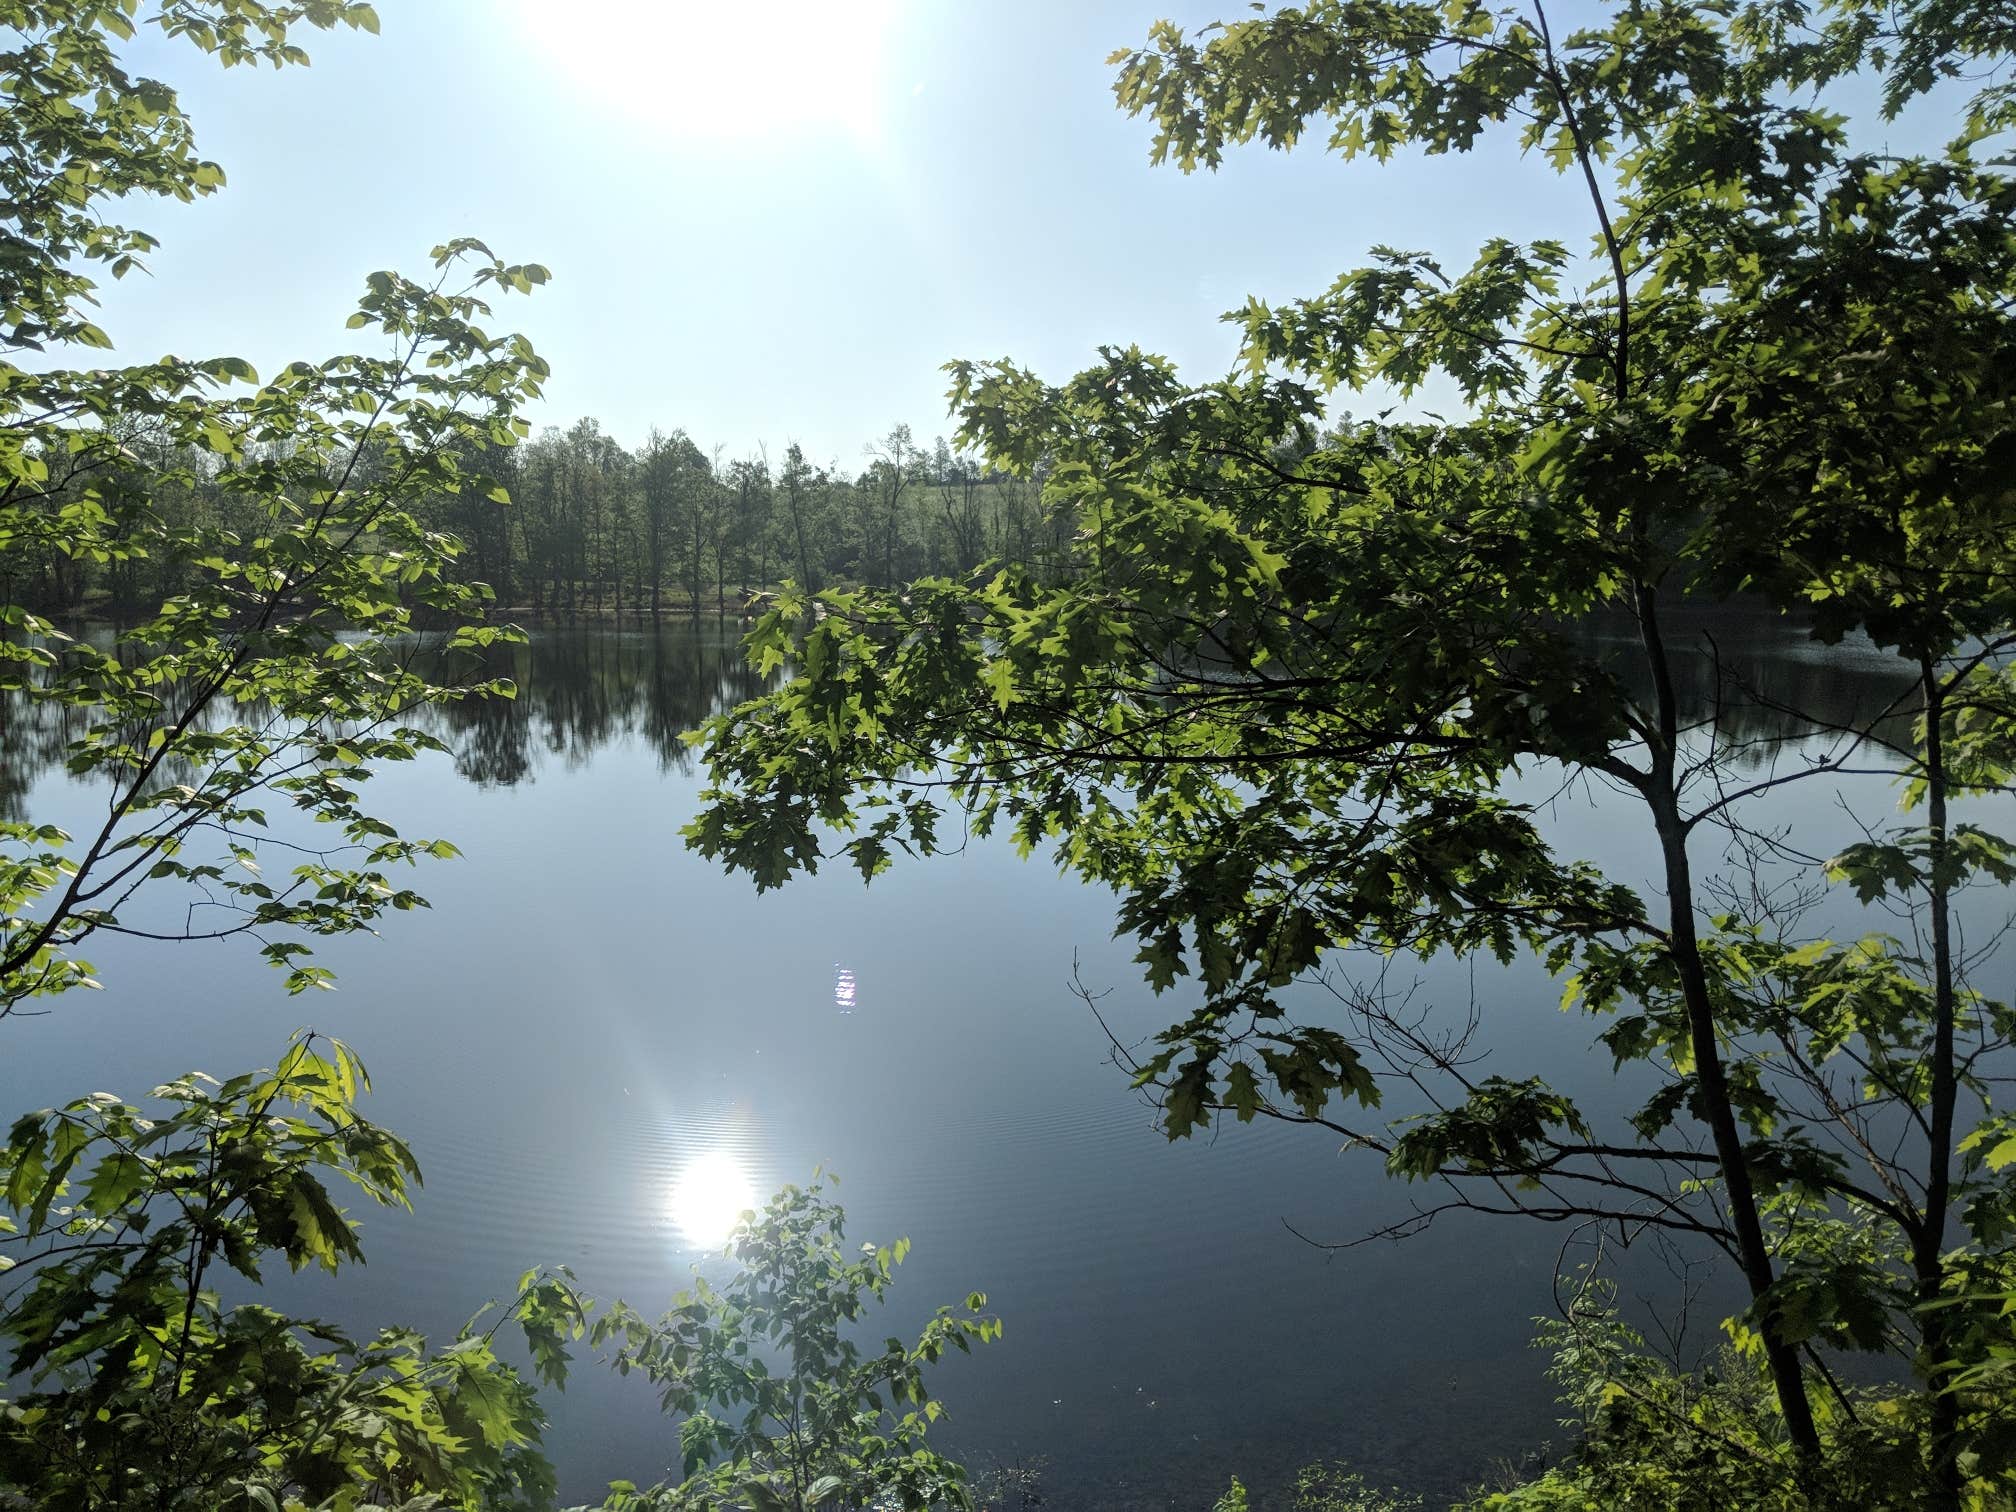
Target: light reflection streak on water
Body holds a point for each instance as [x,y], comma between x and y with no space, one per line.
[708,1196]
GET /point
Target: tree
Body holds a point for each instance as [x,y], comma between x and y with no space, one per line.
[604,484]
[132,1385]
[279,525]
[243,681]
[702,517]
[1275,695]
[485,530]
[959,483]
[135,1387]
[806,1418]
[667,463]
[893,464]
[750,534]
[293,531]
[798,482]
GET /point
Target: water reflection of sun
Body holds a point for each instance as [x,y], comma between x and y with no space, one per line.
[711,1192]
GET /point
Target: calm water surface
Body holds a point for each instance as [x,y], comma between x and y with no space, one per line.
[595,1039]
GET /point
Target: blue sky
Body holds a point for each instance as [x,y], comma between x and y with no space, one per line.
[764,224]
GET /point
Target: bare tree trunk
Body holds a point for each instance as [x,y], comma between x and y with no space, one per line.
[1928,1247]
[1711,1081]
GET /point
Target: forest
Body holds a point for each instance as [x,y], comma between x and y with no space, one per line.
[600,530]
[1659,694]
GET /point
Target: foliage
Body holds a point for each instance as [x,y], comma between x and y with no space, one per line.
[1326,1486]
[600,528]
[270,661]
[274,665]
[1329,1486]
[1649,1436]
[140,1383]
[780,1407]
[1277,695]
[137,1385]
[278,546]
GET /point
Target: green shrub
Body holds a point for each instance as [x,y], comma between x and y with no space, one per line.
[1651,1438]
[779,1406]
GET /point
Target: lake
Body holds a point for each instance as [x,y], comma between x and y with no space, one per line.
[595,1040]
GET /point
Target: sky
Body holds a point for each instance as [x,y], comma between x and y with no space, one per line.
[767,222]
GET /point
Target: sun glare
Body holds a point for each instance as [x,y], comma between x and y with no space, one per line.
[711,1191]
[722,68]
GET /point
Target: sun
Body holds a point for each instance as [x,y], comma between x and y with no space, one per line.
[726,69]
[711,1192]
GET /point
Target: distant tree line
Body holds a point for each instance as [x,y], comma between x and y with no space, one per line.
[581,524]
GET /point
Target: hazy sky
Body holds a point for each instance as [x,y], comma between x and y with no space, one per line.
[766,221]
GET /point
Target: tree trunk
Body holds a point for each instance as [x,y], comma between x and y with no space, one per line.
[1683,945]
[807,581]
[1927,1259]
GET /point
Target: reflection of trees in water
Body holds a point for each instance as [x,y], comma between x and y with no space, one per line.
[36,734]
[580,690]
[1758,681]
[31,741]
